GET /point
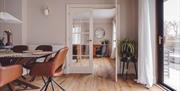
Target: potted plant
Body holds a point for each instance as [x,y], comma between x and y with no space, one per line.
[105,41]
[127,48]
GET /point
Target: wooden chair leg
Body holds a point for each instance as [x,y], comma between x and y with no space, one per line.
[23,77]
[27,84]
[33,78]
[11,87]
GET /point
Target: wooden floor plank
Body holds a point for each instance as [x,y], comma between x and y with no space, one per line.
[100,80]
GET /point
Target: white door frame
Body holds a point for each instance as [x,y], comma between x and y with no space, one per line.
[118,37]
[98,6]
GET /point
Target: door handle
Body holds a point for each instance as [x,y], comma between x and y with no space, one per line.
[90,40]
[160,40]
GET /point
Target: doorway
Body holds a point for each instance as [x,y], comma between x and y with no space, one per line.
[91,38]
[104,43]
[169,43]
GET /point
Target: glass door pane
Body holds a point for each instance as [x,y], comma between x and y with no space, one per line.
[171,66]
[81,40]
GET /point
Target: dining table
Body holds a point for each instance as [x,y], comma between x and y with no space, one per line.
[27,56]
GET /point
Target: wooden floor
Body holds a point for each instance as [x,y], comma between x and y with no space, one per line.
[104,67]
[100,80]
[94,83]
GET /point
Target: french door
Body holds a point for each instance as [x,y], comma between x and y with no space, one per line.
[80,36]
[168,15]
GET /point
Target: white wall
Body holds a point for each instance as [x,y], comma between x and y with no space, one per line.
[128,24]
[128,19]
[108,28]
[24,19]
[13,7]
[46,29]
[39,29]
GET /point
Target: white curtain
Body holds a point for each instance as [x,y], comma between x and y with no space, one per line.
[145,44]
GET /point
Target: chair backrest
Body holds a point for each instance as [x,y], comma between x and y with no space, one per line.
[9,74]
[59,59]
[20,48]
[44,47]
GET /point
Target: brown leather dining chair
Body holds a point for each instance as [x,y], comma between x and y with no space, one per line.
[20,48]
[44,47]
[9,74]
[50,69]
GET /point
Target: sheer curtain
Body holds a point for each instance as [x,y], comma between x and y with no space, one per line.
[145,44]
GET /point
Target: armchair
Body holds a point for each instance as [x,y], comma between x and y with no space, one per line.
[9,74]
[50,69]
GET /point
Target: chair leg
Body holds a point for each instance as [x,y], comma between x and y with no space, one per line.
[135,66]
[33,78]
[52,85]
[23,77]
[120,68]
[123,69]
[58,85]
[43,80]
[11,87]
[45,85]
[127,66]
[49,80]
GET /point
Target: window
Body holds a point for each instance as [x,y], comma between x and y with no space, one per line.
[168,22]
[76,34]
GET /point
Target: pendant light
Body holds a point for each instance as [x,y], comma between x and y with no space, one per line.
[5,17]
[46,9]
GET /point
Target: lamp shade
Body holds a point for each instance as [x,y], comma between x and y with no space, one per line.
[8,18]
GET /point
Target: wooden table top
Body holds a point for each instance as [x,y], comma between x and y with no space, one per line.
[25,55]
